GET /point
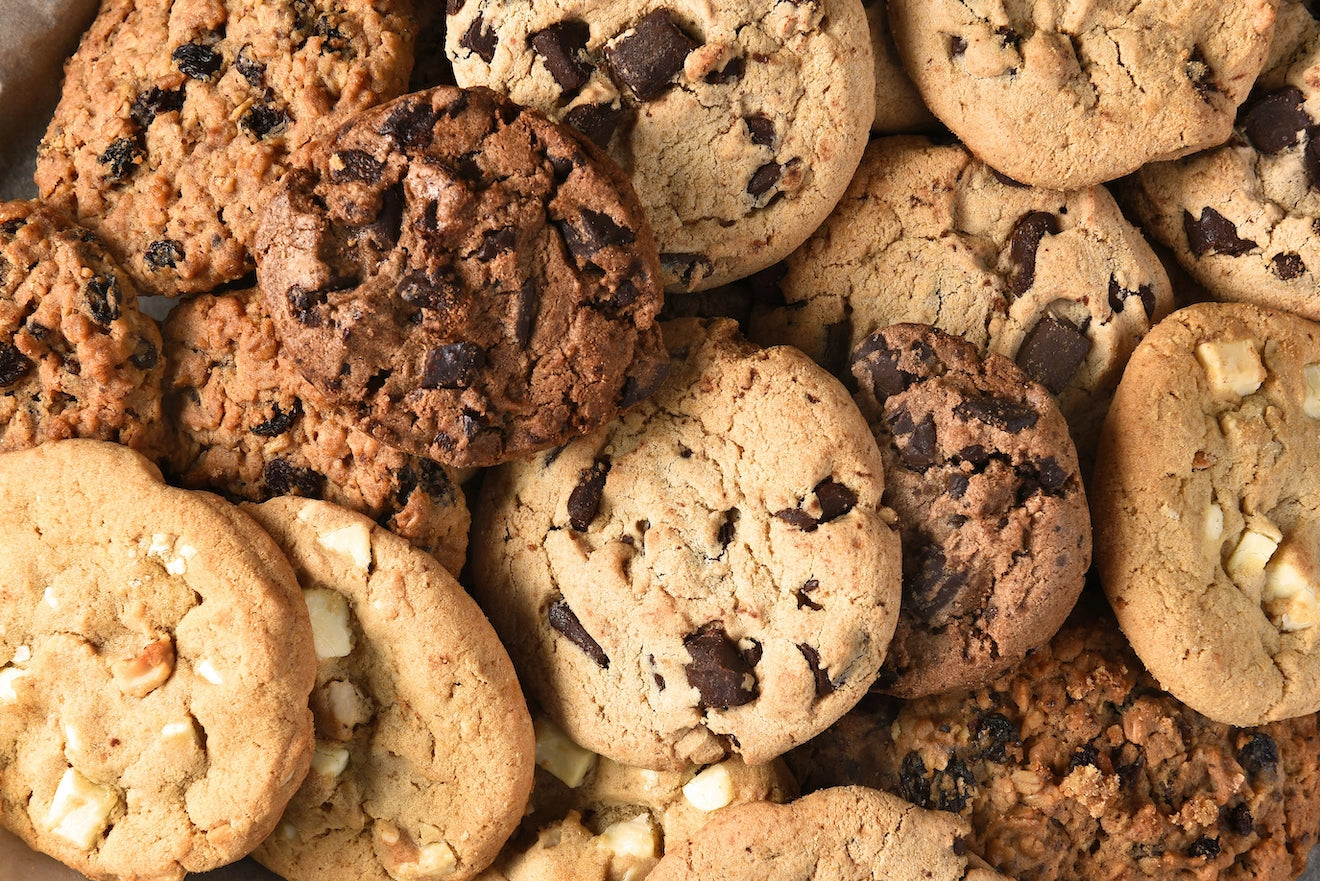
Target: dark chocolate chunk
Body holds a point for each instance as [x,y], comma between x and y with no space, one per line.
[880,363]
[1274,121]
[480,39]
[728,528]
[1006,180]
[824,687]
[104,299]
[121,158]
[761,128]
[1052,351]
[648,58]
[563,48]
[799,518]
[14,365]
[929,586]
[1023,244]
[1118,297]
[584,501]
[1213,233]
[803,595]
[162,253]
[1009,416]
[526,307]
[196,60]
[1259,755]
[835,499]
[957,47]
[726,74]
[305,305]
[916,441]
[422,291]
[452,366]
[688,267]
[563,619]
[838,339]
[410,124]
[1288,266]
[764,179]
[283,479]
[597,121]
[1311,157]
[496,241]
[638,388]
[153,102]
[1205,847]
[262,120]
[1201,75]
[718,671]
[280,420]
[145,355]
[958,485]
[1011,38]
[347,165]
[593,231]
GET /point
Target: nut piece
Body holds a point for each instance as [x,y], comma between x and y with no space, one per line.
[80,810]
[1292,579]
[140,676]
[558,754]
[1233,367]
[1311,406]
[634,843]
[1246,565]
[329,760]
[352,541]
[330,630]
[405,861]
[339,708]
[710,790]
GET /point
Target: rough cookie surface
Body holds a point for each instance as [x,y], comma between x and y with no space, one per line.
[468,280]
[898,104]
[712,574]
[177,116]
[739,122]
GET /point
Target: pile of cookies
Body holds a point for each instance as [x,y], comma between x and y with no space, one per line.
[671,439]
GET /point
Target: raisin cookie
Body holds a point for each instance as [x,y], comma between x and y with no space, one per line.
[1061,95]
[77,358]
[157,662]
[1057,281]
[465,279]
[1206,503]
[242,422]
[740,121]
[177,117]
[424,745]
[712,574]
[1076,765]
[992,515]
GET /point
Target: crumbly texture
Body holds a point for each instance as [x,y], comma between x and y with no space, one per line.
[177,117]
[1057,281]
[242,422]
[713,574]
[849,833]
[1059,95]
[992,514]
[77,358]
[739,122]
[1242,218]
[424,744]
[898,104]
[1206,492]
[1076,765]
[464,278]
[157,662]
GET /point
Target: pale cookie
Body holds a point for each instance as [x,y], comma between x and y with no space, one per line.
[898,104]
[157,660]
[1066,95]
[1056,281]
[713,574]
[739,121]
[424,746]
[1206,503]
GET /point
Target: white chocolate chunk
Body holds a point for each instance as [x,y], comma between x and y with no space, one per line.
[72,739]
[9,676]
[161,544]
[330,631]
[139,676]
[1292,580]
[179,735]
[1214,523]
[80,809]
[1311,406]
[1251,554]
[1232,367]
[634,839]
[558,754]
[352,541]
[48,597]
[339,708]
[22,654]
[710,790]
[329,760]
[206,669]
[436,859]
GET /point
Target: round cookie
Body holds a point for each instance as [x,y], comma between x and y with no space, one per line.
[898,104]
[176,118]
[157,661]
[1076,765]
[1206,502]
[849,833]
[1057,281]
[739,122]
[242,422]
[992,514]
[1241,218]
[713,574]
[77,358]
[1061,96]
[424,745]
[464,279]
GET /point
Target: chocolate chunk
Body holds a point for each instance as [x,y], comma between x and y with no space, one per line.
[1118,297]
[1052,351]
[638,388]
[597,121]
[262,120]
[1201,75]
[1288,266]
[153,102]
[957,47]
[563,619]
[481,39]
[422,291]
[121,158]
[929,586]
[497,241]
[1009,416]
[584,501]
[726,74]
[761,128]
[283,479]
[162,253]
[835,499]
[994,734]
[526,308]
[1023,244]
[1010,38]
[1214,234]
[648,58]
[824,687]
[803,595]
[145,355]
[452,366]
[876,360]
[718,671]
[1006,180]
[280,420]
[764,179]
[198,61]
[728,528]
[104,299]
[347,165]
[689,268]
[799,518]
[752,655]
[1205,847]
[13,365]
[563,48]
[915,441]
[592,232]
[1259,755]
[1273,122]
[958,485]
[410,124]
[306,305]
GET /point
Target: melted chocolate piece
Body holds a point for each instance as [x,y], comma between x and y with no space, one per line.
[452,366]
[764,179]
[1214,234]
[803,595]
[584,501]
[564,620]
[592,232]
[1118,297]
[1023,244]
[638,388]
[597,121]
[728,73]
[761,128]
[915,440]
[874,357]
[929,586]
[835,499]
[718,670]
[497,241]
[411,124]
[528,306]
[1275,121]
[646,59]
[1052,351]
[1009,416]
[563,49]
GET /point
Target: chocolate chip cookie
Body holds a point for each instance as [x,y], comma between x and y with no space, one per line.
[983,476]
[176,118]
[77,357]
[711,575]
[898,105]
[464,278]
[739,121]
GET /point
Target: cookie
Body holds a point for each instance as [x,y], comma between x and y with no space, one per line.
[1076,765]
[157,662]
[711,575]
[77,358]
[739,121]
[244,423]
[1064,97]
[992,514]
[849,833]
[898,105]
[1204,499]
[424,746]
[176,118]
[465,279]
[1241,218]
[1057,281]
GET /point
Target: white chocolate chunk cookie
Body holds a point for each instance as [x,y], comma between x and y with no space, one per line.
[424,745]
[155,666]
[1206,506]
[712,574]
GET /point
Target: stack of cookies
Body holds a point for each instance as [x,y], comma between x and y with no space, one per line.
[729,439]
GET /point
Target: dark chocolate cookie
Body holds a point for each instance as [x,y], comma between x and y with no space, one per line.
[466,279]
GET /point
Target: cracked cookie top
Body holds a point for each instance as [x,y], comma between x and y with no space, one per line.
[712,574]
[739,121]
